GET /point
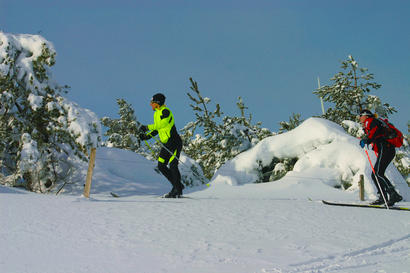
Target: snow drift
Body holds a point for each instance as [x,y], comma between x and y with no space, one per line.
[325,153]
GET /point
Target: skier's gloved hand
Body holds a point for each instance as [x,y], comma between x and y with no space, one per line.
[144,128]
[144,136]
[362,143]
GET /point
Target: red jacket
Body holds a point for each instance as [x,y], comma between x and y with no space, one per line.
[374,132]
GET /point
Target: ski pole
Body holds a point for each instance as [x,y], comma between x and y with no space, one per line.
[377,180]
[149,147]
[146,142]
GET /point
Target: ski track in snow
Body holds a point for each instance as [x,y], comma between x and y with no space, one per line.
[363,260]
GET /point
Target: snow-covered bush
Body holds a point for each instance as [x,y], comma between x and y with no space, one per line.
[325,153]
[191,172]
[277,169]
[219,139]
[39,129]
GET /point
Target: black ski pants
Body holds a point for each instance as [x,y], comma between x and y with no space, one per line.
[386,154]
[170,155]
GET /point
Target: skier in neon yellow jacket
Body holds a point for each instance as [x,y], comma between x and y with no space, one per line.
[164,126]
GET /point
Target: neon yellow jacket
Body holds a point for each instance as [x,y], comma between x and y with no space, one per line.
[163,123]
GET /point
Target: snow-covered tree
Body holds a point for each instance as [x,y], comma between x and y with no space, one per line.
[124,132]
[294,121]
[219,139]
[350,93]
[277,169]
[39,129]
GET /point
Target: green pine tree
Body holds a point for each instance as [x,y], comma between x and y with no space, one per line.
[123,132]
[294,121]
[350,93]
[212,140]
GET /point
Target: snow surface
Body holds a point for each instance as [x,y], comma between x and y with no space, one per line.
[231,226]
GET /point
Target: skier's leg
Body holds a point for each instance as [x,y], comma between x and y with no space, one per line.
[379,169]
[386,155]
[389,152]
[379,182]
[176,175]
[163,160]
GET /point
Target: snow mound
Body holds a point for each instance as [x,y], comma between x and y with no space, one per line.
[325,153]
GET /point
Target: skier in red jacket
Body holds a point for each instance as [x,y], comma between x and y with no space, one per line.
[376,135]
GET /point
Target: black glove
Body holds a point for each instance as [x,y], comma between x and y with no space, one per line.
[144,128]
[144,136]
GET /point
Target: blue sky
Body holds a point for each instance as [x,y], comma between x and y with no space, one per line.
[268,52]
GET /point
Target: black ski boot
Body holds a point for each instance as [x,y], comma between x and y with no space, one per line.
[179,190]
[171,194]
[378,201]
[394,197]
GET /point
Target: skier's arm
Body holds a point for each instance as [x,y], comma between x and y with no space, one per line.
[375,131]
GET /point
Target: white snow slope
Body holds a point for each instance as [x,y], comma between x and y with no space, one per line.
[273,227]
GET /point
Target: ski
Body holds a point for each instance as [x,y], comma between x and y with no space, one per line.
[364,206]
[114,195]
[176,198]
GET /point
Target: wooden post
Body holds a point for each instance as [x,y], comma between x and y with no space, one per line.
[361,188]
[91,164]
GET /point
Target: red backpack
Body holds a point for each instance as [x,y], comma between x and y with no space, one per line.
[391,133]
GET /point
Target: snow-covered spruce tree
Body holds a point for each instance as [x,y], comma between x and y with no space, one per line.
[294,121]
[277,169]
[123,132]
[219,139]
[349,93]
[37,136]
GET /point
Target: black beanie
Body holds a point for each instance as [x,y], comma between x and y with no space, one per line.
[366,112]
[158,98]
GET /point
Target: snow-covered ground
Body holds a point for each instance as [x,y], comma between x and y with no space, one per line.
[251,228]
[231,226]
